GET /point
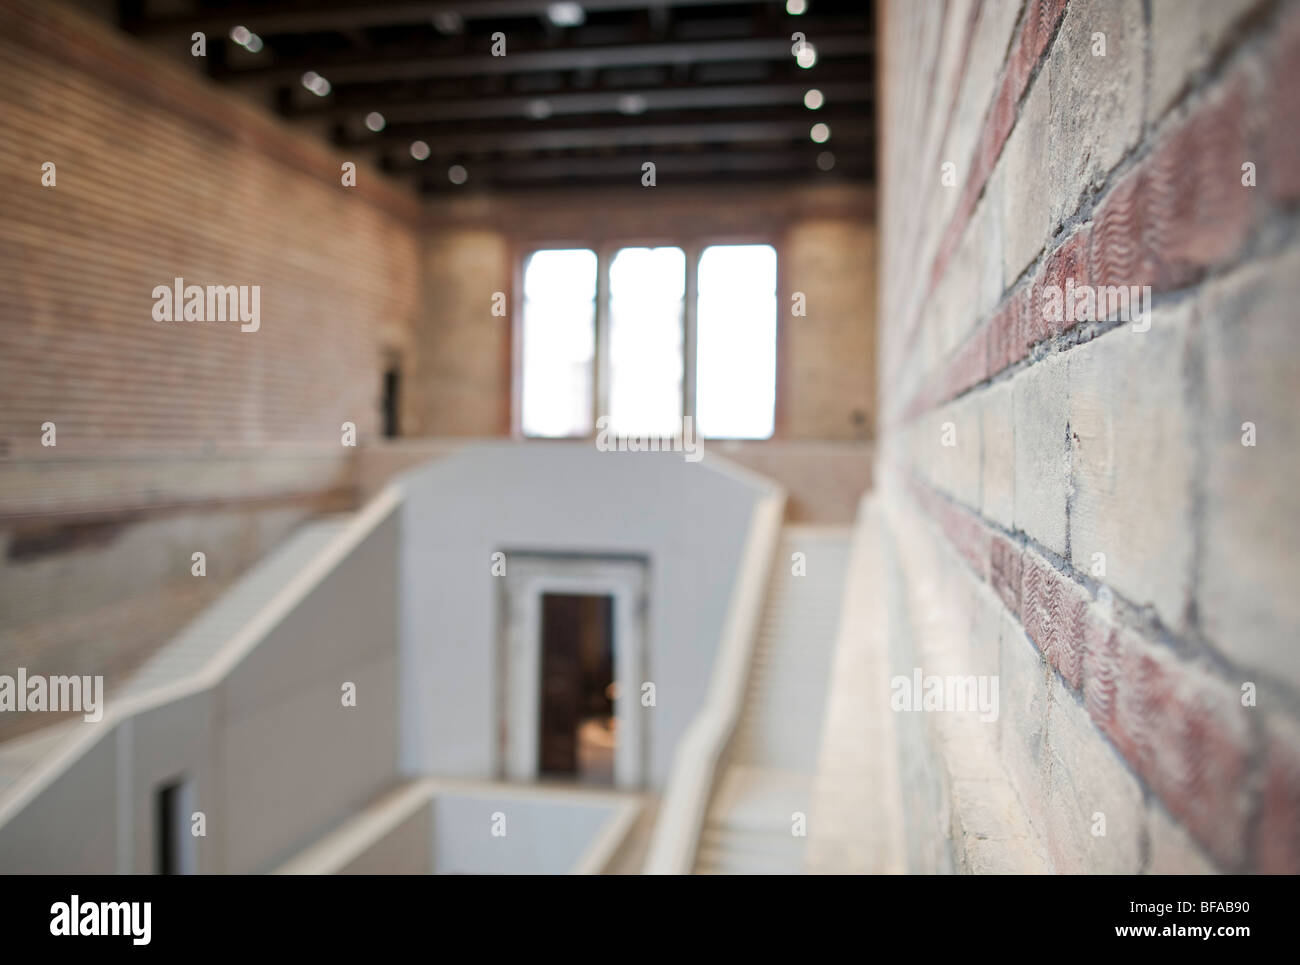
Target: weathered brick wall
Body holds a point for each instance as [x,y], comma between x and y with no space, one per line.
[171,436]
[1096,487]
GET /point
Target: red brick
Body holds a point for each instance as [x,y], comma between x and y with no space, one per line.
[953,233]
[1036,28]
[1282,135]
[1101,672]
[968,536]
[1005,571]
[1114,256]
[1068,263]
[1277,836]
[1054,611]
[1006,341]
[1185,733]
[967,367]
[1183,209]
[997,128]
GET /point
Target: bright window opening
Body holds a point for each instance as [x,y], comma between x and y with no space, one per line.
[736,342]
[647,289]
[559,342]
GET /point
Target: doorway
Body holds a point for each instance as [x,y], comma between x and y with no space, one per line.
[571,671]
[577,726]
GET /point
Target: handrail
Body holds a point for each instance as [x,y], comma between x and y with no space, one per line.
[681,818]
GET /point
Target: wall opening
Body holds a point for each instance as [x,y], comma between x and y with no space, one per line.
[572,664]
[391,401]
[577,728]
[174,845]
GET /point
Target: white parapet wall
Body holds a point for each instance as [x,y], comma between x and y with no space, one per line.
[474,827]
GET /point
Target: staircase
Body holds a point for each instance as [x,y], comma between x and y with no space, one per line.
[768,774]
[194,646]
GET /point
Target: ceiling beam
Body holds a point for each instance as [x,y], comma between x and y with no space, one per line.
[271,19]
[421,110]
[350,69]
[627,168]
[629,135]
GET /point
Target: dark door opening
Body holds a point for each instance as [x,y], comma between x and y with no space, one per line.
[577,726]
[169,823]
[392,387]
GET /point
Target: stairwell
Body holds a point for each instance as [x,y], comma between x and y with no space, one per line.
[767,778]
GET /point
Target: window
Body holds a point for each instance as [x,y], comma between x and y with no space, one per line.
[559,343]
[647,291]
[735,387]
[609,335]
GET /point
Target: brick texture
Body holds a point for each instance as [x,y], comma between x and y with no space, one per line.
[1098,439]
[80,261]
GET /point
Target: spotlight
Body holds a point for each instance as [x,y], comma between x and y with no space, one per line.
[315,83]
[457,174]
[806,55]
[565,14]
[820,133]
[796,7]
[375,121]
[813,99]
[825,160]
[419,150]
[631,104]
[448,22]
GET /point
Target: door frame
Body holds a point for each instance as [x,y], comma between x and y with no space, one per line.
[528,577]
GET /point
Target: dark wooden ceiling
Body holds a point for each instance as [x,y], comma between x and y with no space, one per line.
[708,91]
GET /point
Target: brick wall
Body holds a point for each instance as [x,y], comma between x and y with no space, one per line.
[197,434]
[1141,558]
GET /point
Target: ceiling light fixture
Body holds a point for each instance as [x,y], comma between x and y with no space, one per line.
[565,14]
[375,121]
[419,150]
[820,133]
[632,104]
[448,22]
[246,39]
[315,83]
[813,99]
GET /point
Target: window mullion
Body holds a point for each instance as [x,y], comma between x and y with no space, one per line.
[688,330]
[600,398]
